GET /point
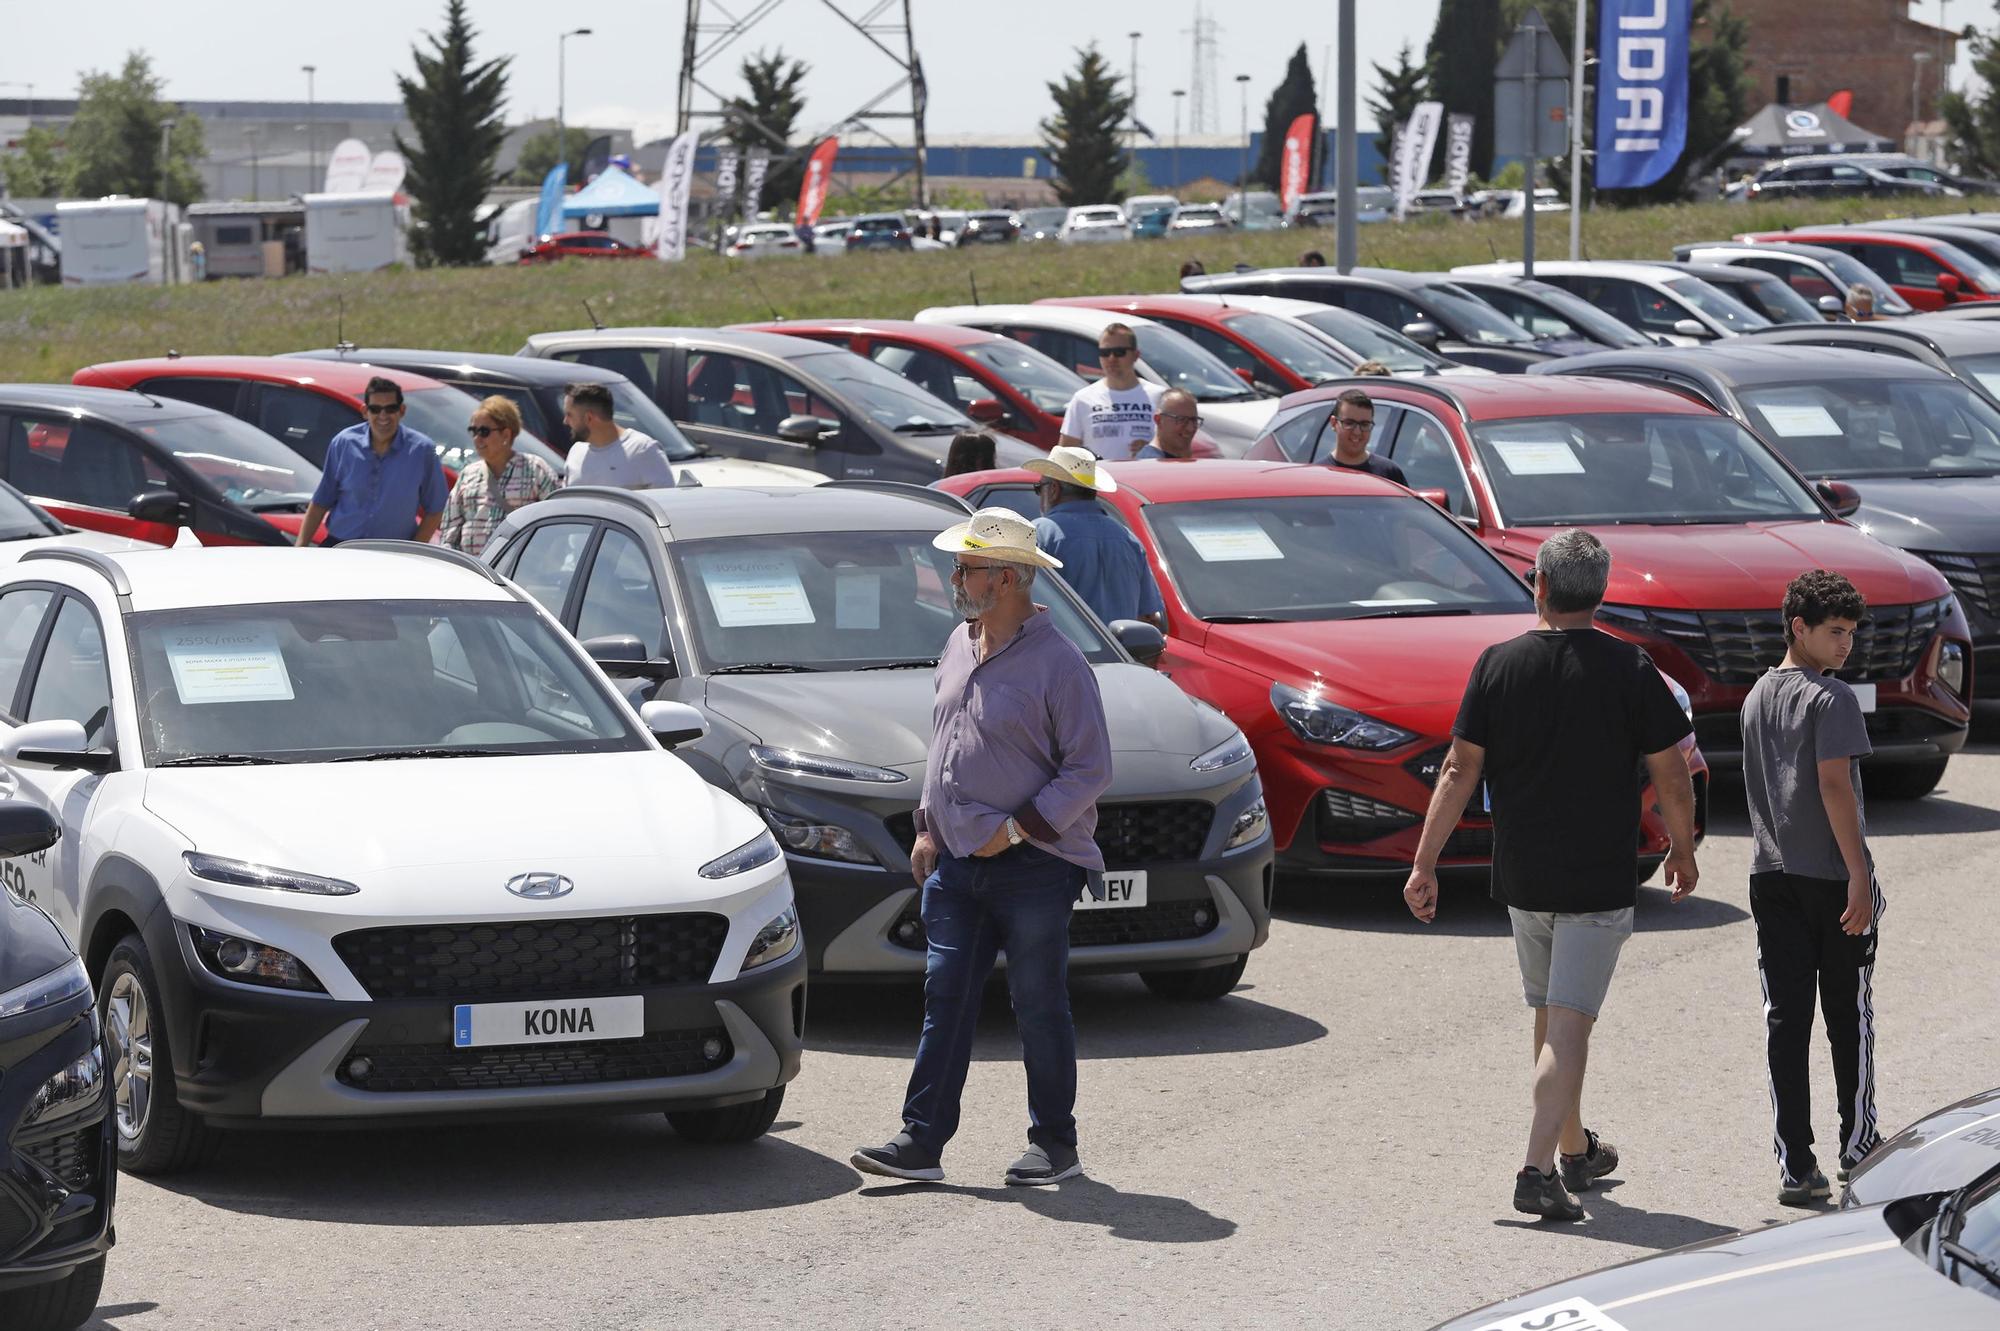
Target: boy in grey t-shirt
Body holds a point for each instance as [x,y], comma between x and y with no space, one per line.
[1812,883]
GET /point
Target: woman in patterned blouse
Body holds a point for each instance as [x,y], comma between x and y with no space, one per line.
[501,481]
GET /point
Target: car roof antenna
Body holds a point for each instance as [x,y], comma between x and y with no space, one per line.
[1494,249]
[595,322]
[340,342]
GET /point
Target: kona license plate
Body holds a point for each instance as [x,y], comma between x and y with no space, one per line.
[477,1024]
[1865,695]
[1121,891]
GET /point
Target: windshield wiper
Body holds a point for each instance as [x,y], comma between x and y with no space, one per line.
[766,668]
[221,760]
[902,665]
[1964,1256]
[385,754]
[1244,619]
[1414,611]
[925,427]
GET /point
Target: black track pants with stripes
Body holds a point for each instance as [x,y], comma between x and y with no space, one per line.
[1801,949]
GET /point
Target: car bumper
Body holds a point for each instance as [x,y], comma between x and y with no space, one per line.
[57,1180]
[1910,724]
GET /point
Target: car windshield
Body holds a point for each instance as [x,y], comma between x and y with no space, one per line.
[1631,467]
[1043,219]
[1045,383]
[1973,268]
[319,681]
[20,520]
[1469,317]
[1180,362]
[837,600]
[1567,307]
[444,413]
[1771,296]
[884,396]
[1874,427]
[1371,197]
[1315,557]
[244,464]
[1852,272]
[1295,349]
[1720,307]
[633,410]
[1375,341]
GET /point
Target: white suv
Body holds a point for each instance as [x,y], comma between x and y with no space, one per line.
[362,834]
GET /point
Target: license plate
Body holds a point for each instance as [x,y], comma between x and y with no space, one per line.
[1865,695]
[474,1025]
[1121,891]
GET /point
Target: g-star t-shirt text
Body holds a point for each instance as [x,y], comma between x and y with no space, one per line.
[1113,423]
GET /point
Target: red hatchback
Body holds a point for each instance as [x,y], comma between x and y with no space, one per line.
[1266,351]
[1335,617]
[582,245]
[1705,525]
[1927,271]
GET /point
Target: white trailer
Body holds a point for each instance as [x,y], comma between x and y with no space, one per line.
[115,240]
[511,230]
[354,233]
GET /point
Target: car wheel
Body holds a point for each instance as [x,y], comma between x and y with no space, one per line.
[1903,781]
[731,1123]
[54,1305]
[1204,985]
[155,1135]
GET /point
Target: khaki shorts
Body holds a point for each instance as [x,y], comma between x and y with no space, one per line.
[1567,958]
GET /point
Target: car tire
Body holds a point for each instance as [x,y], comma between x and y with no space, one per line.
[54,1305]
[155,1135]
[1196,986]
[1903,781]
[731,1123]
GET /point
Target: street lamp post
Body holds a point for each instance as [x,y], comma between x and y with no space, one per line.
[562,62]
[1179,94]
[1243,154]
[166,153]
[312,130]
[1132,111]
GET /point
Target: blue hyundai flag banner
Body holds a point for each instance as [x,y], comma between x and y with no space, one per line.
[1642,89]
[550,208]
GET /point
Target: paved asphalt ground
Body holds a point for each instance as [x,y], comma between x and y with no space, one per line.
[1333,1145]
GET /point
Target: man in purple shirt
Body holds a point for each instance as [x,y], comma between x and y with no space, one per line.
[1005,842]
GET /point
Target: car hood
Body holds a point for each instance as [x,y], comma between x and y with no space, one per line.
[1740,566]
[1846,1270]
[1940,1152]
[743,471]
[1951,514]
[649,820]
[885,715]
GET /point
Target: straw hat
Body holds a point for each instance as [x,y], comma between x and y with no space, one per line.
[999,533]
[1072,466]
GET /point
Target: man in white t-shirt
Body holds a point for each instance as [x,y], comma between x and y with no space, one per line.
[1113,417]
[603,454]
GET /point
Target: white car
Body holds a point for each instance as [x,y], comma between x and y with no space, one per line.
[307,860]
[1199,217]
[1233,413]
[761,240]
[1095,224]
[1654,299]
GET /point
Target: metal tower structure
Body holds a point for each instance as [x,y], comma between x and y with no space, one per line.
[1204,102]
[884,25]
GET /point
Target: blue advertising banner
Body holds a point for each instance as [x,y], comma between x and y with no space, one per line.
[549,211]
[1642,89]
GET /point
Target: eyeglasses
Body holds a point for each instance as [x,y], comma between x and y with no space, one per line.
[1113,353]
[1347,424]
[382,408]
[1176,416]
[482,431]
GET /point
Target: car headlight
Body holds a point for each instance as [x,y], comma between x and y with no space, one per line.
[1630,618]
[65,982]
[775,940]
[246,962]
[1317,721]
[825,841]
[1680,696]
[1230,752]
[1250,825]
[72,1090]
[759,850]
[242,873]
[813,764]
[1951,666]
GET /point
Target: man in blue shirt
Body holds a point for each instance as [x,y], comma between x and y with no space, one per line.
[1102,561]
[381,480]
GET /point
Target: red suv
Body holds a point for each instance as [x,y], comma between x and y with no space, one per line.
[1705,524]
[1265,350]
[1335,617]
[1927,271]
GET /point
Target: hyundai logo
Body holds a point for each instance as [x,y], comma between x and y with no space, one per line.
[541,886]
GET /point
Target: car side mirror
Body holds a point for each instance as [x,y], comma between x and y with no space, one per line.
[1438,497]
[25,829]
[1692,328]
[158,506]
[1842,498]
[1950,284]
[673,723]
[805,429]
[1829,305]
[1424,333]
[623,656]
[986,410]
[1144,641]
[58,744]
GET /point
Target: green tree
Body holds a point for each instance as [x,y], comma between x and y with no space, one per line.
[119,142]
[1972,124]
[1082,139]
[1397,92]
[1459,64]
[768,117]
[36,169]
[540,152]
[454,103]
[1296,96]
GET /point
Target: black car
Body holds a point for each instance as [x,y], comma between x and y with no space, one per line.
[1766,293]
[1921,450]
[988,228]
[1819,178]
[58,1162]
[1561,321]
[1430,309]
[879,231]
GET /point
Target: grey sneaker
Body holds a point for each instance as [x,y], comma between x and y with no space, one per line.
[1813,1188]
[900,1158]
[1043,1165]
[1580,1171]
[1536,1193]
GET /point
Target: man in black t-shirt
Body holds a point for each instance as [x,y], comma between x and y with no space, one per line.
[1559,720]
[1353,422]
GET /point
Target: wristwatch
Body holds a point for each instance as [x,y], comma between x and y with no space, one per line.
[1013,829]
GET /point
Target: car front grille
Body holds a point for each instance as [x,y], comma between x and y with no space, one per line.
[534,958]
[1160,922]
[1129,836]
[1976,579]
[1738,646]
[404,1068]
[1347,818]
[71,1157]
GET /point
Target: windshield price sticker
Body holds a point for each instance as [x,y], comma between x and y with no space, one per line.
[1799,420]
[1523,457]
[1229,540]
[748,591]
[1569,1315]
[228,663]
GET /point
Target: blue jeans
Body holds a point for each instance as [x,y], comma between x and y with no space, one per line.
[1017,901]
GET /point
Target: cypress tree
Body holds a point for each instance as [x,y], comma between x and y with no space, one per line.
[1081,139]
[454,104]
[1296,96]
[1459,63]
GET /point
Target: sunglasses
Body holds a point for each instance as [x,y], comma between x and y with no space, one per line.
[482,431]
[1113,353]
[961,569]
[382,408]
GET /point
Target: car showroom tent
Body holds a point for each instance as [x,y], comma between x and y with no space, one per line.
[612,194]
[1790,131]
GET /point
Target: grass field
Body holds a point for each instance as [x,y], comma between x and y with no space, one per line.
[48,333]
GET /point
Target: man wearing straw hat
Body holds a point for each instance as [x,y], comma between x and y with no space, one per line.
[1100,559]
[1005,842]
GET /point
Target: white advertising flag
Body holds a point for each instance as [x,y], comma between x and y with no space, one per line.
[676,177]
[347,169]
[1413,152]
[385,173]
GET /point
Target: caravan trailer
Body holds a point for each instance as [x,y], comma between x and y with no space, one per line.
[354,233]
[250,239]
[114,240]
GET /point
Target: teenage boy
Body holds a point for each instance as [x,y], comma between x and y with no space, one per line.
[1812,883]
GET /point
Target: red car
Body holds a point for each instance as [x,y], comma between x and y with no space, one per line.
[1706,525]
[1928,272]
[582,245]
[1265,350]
[1335,617]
